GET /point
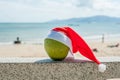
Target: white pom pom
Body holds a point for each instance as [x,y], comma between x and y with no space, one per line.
[102,67]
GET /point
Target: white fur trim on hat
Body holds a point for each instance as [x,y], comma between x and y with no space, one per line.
[61,37]
[102,67]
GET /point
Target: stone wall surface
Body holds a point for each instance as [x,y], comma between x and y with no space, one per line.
[58,71]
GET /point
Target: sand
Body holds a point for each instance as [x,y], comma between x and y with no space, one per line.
[22,50]
[37,50]
[104,49]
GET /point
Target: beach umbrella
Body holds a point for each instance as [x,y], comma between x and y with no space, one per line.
[61,40]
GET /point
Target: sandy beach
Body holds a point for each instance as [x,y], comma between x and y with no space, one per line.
[37,50]
[106,49]
[22,50]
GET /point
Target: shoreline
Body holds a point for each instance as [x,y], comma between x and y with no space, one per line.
[92,38]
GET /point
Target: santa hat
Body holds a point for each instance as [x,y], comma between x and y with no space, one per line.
[70,38]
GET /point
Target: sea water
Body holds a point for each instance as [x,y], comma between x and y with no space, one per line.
[36,32]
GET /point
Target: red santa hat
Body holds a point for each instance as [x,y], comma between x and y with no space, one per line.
[70,38]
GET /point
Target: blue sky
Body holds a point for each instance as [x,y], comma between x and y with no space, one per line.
[46,10]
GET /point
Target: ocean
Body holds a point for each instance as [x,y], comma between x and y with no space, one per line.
[36,32]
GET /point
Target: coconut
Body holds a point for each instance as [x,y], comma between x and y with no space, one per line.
[56,50]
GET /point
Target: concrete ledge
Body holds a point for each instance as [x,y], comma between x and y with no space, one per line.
[45,69]
[42,60]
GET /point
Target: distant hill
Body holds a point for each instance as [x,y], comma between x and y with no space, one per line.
[89,19]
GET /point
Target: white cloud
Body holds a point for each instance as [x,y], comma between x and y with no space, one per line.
[107,7]
[45,10]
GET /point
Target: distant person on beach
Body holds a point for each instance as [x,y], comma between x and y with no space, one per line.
[95,50]
[17,41]
[116,45]
[103,38]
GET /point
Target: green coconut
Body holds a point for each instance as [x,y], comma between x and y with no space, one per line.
[56,50]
